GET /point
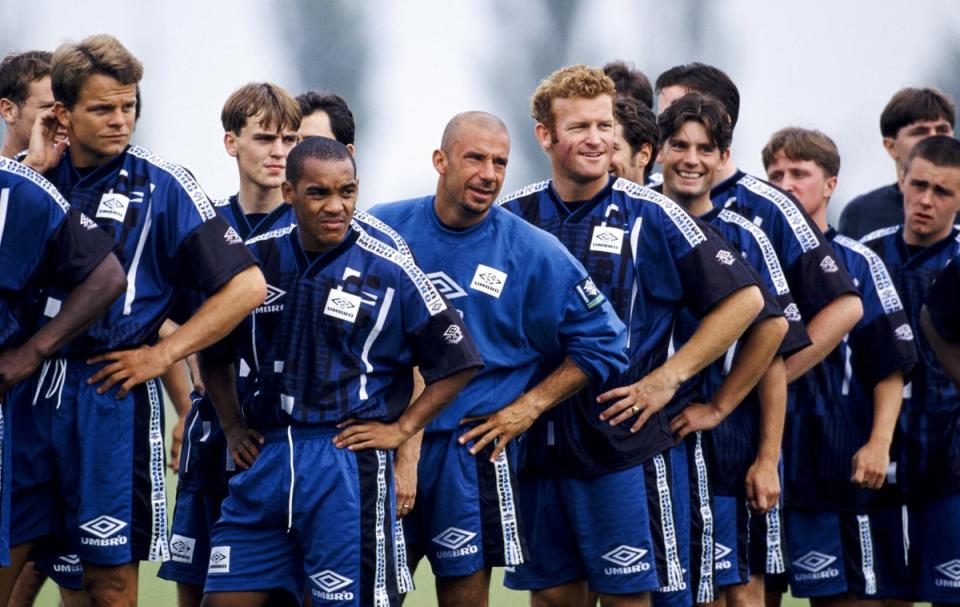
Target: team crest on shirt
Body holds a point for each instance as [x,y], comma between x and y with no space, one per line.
[342,305]
[488,280]
[331,586]
[903,332]
[606,240]
[589,294]
[828,265]
[231,236]
[725,257]
[453,335]
[113,205]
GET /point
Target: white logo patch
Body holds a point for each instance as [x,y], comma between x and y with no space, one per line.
[113,206]
[589,294]
[447,286]
[624,555]
[488,280]
[607,240]
[814,561]
[792,313]
[453,335]
[453,538]
[725,257]
[951,569]
[103,526]
[181,548]
[219,560]
[903,332]
[342,305]
[330,581]
[828,265]
[231,236]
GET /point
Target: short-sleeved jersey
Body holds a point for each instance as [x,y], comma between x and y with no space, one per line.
[943,302]
[650,259]
[830,411]
[810,265]
[353,323]
[927,447]
[874,210]
[166,234]
[734,442]
[43,243]
[541,307]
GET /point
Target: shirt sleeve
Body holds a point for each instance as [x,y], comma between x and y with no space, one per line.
[943,302]
[818,277]
[75,249]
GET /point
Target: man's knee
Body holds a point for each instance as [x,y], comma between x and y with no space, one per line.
[472,589]
[110,585]
[571,594]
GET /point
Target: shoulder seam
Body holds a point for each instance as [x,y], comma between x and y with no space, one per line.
[680,218]
[879,233]
[525,191]
[272,234]
[886,291]
[22,170]
[183,178]
[766,249]
[791,212]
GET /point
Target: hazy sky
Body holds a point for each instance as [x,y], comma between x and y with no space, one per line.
[824,64]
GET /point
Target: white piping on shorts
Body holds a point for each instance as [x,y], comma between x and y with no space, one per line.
[866,555]
[292,477]
[512,552]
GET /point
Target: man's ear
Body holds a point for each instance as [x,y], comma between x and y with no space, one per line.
[62,114]
[830,187]
[888,145]
[440,161]
[544,136]
[352,149]
[642,158]
[8,110]
[286,188]
[230,143]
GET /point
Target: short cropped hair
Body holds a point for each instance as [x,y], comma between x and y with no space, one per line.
[341,118]
[939,150]
[639,127]
[567,83]
[706,80]
[694,107]
[74,62]
[804,144]
[911,105]
[18,70]
[630,82]
[318,148]
[280,110]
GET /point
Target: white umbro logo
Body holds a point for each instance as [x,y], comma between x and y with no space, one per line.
[624,555]
[447,286]
[273,294]
[489,280]
[792,313]
[330,581]
[453,538]
[87,223]
[828,265]
[219,560]
[720,552]
[103,526]
[181,548]
[903,332]
[725,257]
[71,559]
[453,335]
[814,561]
[231,236]
[951,569]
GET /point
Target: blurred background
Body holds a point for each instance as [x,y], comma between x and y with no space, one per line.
[406,67]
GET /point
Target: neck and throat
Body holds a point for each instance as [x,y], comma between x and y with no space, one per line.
[254,198]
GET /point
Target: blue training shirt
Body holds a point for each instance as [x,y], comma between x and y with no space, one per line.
[650,259]
[539,309]
[943,302]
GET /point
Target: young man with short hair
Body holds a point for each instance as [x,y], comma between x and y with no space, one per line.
[595,492]
[333,401]
[927,453]
[24,94]
[260,122]
[843,413]
[327,115]
[96,403]
[910,116]
[465,518]
[635,141]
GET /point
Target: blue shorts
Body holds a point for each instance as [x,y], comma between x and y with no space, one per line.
[5,485]
[830,554]
[465,517]
[201,489]
[766,541]
[891,544]
[617,531]
[732,520]
[88,467]
[65,570]
[935,549]
[307,513]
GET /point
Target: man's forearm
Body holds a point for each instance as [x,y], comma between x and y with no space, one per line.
[826,329]
[887,400]
[759,346]
[772,395]
[434,397]
[218,315]
[562,383]
[221,382]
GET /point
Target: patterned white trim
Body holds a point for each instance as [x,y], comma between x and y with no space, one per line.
[674,569]
[775,561]
[159,549]
[790,210]
[705,592]
[377,223]
[222,202]
[766,248]
[372,337]
[866,554]
[512,551]
[380,596]
[680,218]
[182,177]
[525,191]
[279,232]
[11,166]
[887,293]
[404,579]
[879,233]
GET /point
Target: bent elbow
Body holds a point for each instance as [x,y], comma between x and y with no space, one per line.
[255,286]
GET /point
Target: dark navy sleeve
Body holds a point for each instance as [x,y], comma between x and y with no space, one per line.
[73,251]
[440,341]
[817,278]
[943,302]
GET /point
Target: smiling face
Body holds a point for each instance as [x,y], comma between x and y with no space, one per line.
[261,151]
[690,161]
[931,200]
[581,143]
[323,199]
[100,123]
